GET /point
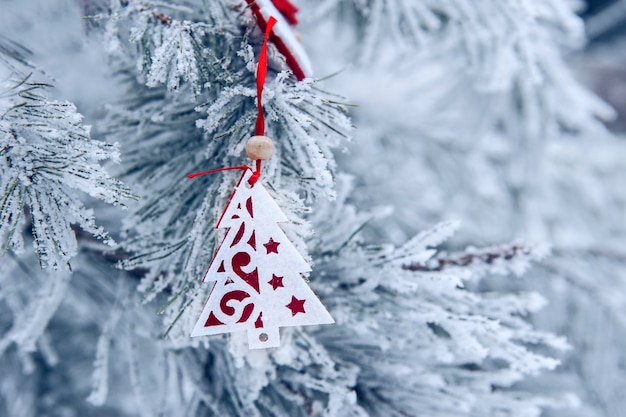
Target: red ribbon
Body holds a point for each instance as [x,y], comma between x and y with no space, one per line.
[259,129]
[261,72]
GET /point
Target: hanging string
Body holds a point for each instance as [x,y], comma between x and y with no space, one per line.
[213,171]
[261,72]
[259,128]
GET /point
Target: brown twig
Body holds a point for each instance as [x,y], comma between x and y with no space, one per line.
[487,257]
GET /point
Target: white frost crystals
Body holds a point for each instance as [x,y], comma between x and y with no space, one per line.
[46,157]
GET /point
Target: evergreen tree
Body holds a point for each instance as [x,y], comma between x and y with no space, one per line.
[461,115]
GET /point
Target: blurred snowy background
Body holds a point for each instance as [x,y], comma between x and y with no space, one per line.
[602,64]
[447,128]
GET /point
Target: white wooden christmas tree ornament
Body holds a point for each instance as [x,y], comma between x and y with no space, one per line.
[257,272]
[256,269]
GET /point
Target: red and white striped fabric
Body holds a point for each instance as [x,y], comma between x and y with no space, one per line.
[283,36]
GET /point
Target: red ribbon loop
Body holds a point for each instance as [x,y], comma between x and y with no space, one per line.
[259,129]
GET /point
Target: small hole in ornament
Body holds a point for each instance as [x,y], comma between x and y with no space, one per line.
[263,337]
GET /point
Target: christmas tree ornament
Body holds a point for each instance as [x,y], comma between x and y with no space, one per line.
[283,35]
[258,273]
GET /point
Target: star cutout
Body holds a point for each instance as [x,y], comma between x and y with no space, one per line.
[271,246]
[276,282]
[296,306]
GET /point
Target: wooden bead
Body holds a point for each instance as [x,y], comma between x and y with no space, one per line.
[259,147]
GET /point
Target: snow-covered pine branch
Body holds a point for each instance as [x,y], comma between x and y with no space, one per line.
[507,54]
[519,155]
[506,137]
[467,348]
[173,241]
[199,126]
[415,334]
[407,342]
[48,160]
[498,39]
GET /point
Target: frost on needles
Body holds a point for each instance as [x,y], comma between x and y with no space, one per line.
[197,126]
[415,335]
[47,161]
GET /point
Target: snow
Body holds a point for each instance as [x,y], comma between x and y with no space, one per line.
[467,118]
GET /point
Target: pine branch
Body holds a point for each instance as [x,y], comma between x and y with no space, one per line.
[212,115]
[488,257]
[48,160]
[412,337]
